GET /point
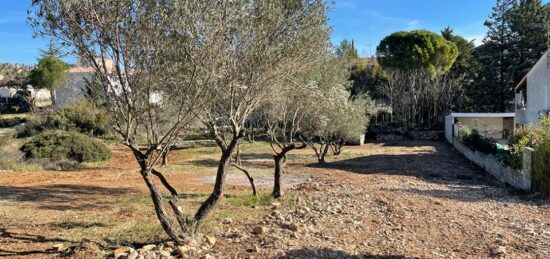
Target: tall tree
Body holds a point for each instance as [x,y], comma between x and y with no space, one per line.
[346,49]
[529,24]
[516,39]
[50,73]
[465,48]
[417,50]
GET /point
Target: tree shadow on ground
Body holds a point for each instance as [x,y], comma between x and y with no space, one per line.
[247,160]
[441,163]
[7,236]
[459,178]
[326,253]
[62,196]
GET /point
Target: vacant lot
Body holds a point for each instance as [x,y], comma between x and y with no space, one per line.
[412,199]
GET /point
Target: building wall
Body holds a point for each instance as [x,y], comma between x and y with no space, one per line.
[538,91]
[73,90]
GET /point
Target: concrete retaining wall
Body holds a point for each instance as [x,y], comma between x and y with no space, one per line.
[519,179]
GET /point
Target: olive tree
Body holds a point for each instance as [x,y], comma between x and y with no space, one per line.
[158,62]
[336,117]
[164,62]
[271,40]
[284,113]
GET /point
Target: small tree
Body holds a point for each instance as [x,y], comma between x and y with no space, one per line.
[346,49]
[50,73]
[284,113]
[335,118]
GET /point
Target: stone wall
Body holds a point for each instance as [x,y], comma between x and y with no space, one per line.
[424,135]
[519,179]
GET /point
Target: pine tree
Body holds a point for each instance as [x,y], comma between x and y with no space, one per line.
[530,41]
[492,84]
[516,39]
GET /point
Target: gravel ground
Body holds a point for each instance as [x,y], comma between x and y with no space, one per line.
[412,200]
[400,200]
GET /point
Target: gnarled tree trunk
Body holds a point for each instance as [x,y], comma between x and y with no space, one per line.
[280,161]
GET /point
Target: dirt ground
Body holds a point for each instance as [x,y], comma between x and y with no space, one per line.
[409,199]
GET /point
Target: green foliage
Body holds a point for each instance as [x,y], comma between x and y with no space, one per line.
[50,73]
[463,62]
[346,49]
[541,159]
[82,117]
[332,114]
[521,138]
[366,77]
[478,142]
[61,145]
[419,49]
[32,127]
[11,122]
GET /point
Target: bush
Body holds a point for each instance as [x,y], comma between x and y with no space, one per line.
[477,142]
[82,117]
[10,122]
[32,127]
[518,141]
[60,145]
[541,158]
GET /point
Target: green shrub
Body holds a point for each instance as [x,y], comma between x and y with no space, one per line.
[32,127]
[10,122]
[61,145]
[521,138]
[477,142]
[82,117]
[541,158]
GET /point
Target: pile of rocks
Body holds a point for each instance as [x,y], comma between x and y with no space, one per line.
[197,248]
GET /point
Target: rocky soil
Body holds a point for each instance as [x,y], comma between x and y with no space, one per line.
[404,200]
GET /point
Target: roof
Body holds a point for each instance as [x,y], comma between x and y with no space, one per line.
[482,115]
[523,83]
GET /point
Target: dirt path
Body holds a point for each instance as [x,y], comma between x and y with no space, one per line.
[415,199]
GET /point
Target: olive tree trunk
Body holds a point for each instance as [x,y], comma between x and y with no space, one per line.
[280,161]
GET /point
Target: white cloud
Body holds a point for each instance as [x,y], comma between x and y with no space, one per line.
[393,23]
[476,38]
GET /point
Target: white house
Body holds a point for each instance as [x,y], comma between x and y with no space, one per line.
[532,99]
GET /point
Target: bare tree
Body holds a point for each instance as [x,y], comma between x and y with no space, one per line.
[164,62]
[418,99]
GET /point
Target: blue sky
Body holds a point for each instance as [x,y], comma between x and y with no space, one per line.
[364,21]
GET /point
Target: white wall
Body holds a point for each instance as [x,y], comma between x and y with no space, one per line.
[538,90]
